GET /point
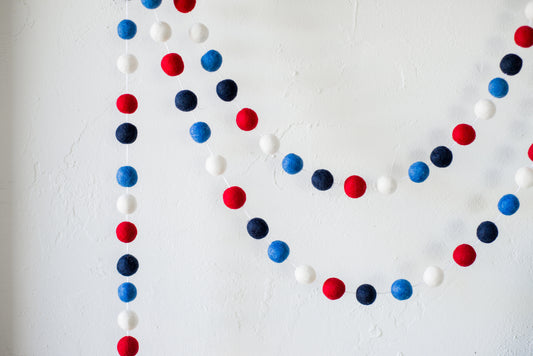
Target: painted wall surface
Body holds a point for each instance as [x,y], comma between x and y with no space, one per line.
[348,85]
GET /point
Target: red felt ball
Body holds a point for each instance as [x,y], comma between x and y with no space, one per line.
[185,5]
[333,288]
[128,346]
[530,152]
[172,64]
[464,134]
[354,187]
[524,36]
[464,255]
[247,119]
[234,197]
[127,104]
[126,232]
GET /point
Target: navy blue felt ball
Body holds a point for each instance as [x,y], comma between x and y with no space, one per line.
[487,232]
[186,100]
[127,176]
[257,228]
[127,292]
[211,61]
[126,133]
[441,157]
[200,132]
[278,251]
[418,172]
[127,265]
[292,163]
[151,4]
[322,179]
[401,289]
[508,204]
[366,294]
[498,87]
[511,64]
[227,90]
[126,29]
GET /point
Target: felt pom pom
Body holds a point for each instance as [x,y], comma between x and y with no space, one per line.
[292,163]
[269,144]
[528,11]
[441,157]
[160,31]
[322,179]
[126,133]
[418,172]
[354,187]
[215,165]
[234,197]
[227,90]
[401,289]
[386,185]
[128,346]
[524,36]
[508,204]
[333,288]
[464,255]
[200,132]
[198,33]
[247,119]
[127,265]
[127,176]
[487,232]
[366,294]
[524,177]
[172,64]
[184,6]
[211,61]
[278,251]
[530,152]
[126,204]
[186,100]
[498,88]
[127,292]
[151,4]
[127,63]
[484,109]
[127,320]
[433,276]
[511,64]
[464,134]
[126,231]
[257,228]
[126,29]
[304,274]
[127,104]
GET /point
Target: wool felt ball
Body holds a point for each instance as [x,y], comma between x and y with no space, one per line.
[464,134]
[333,288]
[523,36]
[278,251]
[184,6]
[292,163]
[401,289]
[186,100]
[172,64]
[126,29]
[127,63]
[498,88]
[151,4]
[528,11]
[127,176]
[441,157]
[200,132]
[247,119]
[269,144]
[257,228]
[464,255]
[234,197]
[126,204]
[128,346]
[487,232]
[127,265]
[126,231]
[366,294]
[433,276]
[305,274]
[127,104]
[215,165]
[524,177]
[198,32]
[511,64]
[126,133]
[322,179]
[160,31]
[530,152]
[386,185]
[127,292]
[354,187]
[418,172]
[127,320]
[227,90]
[508,204]
[484,109]
[211,61]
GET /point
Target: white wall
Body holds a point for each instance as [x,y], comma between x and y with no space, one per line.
[346,94]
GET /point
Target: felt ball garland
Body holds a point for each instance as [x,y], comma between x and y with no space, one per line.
[511,64]
[227,90]
[128,346]
[292,163]
[524,36]
[487,232]
[354,187]
[127,265]
[200,132]
[508,204]
[464,134]
[366,294]
[234,197]
[247,119]
[257,228]
[160,31]
[418,172]
[498,88]
[126,231]
[322,179]
[401,289]
[126,29]
[127,292]
[464,255]
[184,6]
[172,64]
[333,288]
[186,100]
[126,133]
[127,104]
[278,251]
[441,157]
[211,61]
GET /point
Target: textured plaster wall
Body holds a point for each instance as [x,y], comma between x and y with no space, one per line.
[348,86]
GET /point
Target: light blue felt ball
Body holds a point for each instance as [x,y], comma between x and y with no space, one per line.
[126,29]
[498,87]
[401,289]
[292,163]
[211,61]
[508,204]
[127,176]
[151,4]
[278,251]
[418,172]
[200,132]
[127,292]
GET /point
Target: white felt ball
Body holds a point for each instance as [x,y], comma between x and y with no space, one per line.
[269,144]
[305,274]
[127,320]
[529,11]
[198,32]
[484,109]
[126,204]
[127,63]
[215,165]
[160,31]
[386,185]
[524,177]
[433,276]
